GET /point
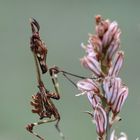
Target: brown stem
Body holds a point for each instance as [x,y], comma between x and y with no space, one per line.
[108,127]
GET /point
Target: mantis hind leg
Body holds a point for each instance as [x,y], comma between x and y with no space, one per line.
[30,127]
[58,128]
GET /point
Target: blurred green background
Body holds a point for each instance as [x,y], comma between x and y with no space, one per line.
[64,25]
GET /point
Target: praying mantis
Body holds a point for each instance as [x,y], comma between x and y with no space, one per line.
[41,101]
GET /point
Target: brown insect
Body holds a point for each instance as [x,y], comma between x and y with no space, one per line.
[41,101]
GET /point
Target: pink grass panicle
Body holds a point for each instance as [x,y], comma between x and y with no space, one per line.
[106,93]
